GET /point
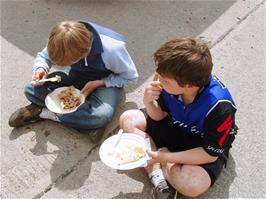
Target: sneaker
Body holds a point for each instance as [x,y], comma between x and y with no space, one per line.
[169,193]
[25,115]
[161,191]
[162,187]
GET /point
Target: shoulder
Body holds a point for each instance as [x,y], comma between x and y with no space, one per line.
[221,107]
[216,96]
[112,45]
[222,111]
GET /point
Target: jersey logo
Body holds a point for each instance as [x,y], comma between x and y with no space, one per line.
[226,128]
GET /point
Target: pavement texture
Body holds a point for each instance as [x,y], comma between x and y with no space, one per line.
[49,160]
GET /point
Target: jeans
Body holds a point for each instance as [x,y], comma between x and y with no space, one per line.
[98,109]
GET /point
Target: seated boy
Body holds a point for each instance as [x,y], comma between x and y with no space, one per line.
[189,117]
[99,66]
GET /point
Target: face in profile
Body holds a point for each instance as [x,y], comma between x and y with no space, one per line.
[170,85]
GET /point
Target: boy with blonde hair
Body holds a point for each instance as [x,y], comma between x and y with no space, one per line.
[99,66]
[189,118]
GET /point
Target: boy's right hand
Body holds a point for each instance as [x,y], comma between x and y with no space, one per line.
[37,75]
[153,90]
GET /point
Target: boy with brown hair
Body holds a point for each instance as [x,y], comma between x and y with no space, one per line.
[189,118]
[99,66]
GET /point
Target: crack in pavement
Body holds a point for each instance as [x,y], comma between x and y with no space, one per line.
[223,36]
[66,173]
[70,170]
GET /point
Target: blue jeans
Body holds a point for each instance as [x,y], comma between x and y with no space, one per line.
[98,109]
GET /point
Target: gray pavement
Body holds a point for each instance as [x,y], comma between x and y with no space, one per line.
[49,160]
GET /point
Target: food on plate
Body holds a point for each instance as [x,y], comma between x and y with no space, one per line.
[58,77]
[127,153]
[68,98]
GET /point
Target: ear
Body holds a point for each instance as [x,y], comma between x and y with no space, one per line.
[155,77]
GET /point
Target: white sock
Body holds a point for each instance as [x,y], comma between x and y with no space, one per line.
[47,114]
[156,177]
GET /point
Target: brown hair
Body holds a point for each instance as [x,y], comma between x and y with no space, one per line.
[68,42]
[187,60]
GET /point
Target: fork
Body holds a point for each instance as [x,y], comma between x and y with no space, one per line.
[116,141]
[57,78]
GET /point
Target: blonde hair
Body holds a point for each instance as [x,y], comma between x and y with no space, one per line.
[187,60]
[68,42]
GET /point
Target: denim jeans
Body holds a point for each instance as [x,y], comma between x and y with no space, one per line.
[98,109]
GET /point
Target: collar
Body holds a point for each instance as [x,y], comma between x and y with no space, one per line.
[97,47]
[201,89]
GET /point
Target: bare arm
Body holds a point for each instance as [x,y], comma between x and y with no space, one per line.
[194,156]
[151,94]
[155,111]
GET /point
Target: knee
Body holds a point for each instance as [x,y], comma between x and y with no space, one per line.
[186,183]
[100,119]
[126,116]
[28,88]
[105,116]
[97,122]
[29,91]
[189,189]
[132,119]
[85,121]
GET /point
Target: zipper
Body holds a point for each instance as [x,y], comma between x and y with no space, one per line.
[86,62]
[184,108]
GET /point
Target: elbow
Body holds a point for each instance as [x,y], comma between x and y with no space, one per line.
[210,155]
[134,80]
[212,158]
[155,118]
[132,76]
[129,81]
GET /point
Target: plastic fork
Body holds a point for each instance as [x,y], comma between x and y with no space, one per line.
[57,78]
[119,135]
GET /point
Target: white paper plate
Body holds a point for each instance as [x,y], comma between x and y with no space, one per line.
[126,138]
[52,103]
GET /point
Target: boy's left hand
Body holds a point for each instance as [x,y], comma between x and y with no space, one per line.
[157,156]
[91,86]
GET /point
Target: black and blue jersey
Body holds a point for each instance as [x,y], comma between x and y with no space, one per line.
[210,116]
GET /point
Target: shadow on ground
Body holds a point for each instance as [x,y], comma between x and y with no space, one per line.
[219,190]
[61,147]
[145,24]
[221,187]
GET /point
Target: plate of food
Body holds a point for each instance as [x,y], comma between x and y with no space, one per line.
[64,100]
[129,152]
